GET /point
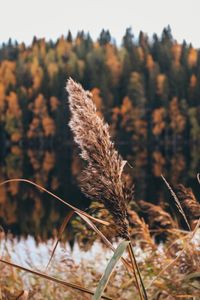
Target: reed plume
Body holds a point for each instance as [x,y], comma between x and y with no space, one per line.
[158,218]
[102,179]
[177,201]
[140,229]
[189,203]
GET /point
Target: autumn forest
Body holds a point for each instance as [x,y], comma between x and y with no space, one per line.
[147,89]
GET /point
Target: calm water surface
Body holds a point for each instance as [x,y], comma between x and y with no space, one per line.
[26,210]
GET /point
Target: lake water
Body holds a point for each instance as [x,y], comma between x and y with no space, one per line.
[26,210]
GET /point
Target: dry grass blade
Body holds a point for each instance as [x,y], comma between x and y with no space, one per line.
[189,297]
[81,213]
[134,267]
[178,204]
[183,238]
[178,256]
[24,295]
[59,281]
[62,228]
[106,241]
[198,178]
[195,275]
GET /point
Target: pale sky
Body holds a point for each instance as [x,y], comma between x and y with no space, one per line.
[22,19]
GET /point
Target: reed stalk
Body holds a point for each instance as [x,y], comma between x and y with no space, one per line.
[102,179]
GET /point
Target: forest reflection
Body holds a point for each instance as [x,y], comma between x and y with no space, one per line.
[26,210]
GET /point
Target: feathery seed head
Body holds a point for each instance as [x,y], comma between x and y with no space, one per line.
[102,178]
[189,202]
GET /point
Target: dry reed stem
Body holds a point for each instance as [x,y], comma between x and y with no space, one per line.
[102,179]
[134,264]
[137,275]
[45,276]
[107,242]
[77,210]
[61,230]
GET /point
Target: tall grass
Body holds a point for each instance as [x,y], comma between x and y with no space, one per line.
[102,179]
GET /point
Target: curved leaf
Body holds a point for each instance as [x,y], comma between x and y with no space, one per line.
[109,270]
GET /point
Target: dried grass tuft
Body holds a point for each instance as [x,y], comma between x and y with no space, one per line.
[102,179]
[140,229]
[177,202]
[157,217]
[189,203]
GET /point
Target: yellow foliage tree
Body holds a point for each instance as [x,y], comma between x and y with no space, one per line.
[37,73]
[192,57]
[48,125]
[7,73]
[161,81]
[158,116]
[177,119]
[176,53]
[13,118]
[113,63]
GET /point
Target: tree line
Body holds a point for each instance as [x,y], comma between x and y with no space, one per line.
[148,89]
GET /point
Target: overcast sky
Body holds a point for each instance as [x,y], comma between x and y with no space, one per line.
[22,19]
